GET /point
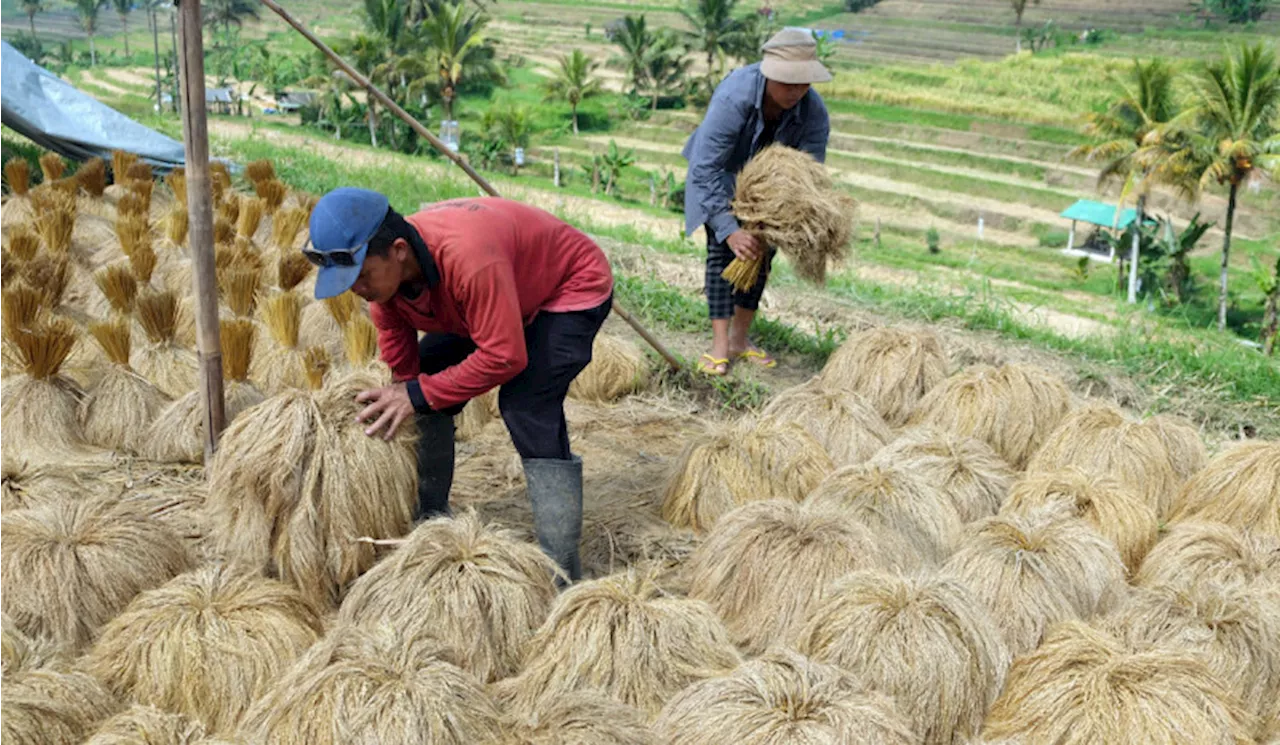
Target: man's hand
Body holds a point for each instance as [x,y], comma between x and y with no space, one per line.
[744,245]
[388,407]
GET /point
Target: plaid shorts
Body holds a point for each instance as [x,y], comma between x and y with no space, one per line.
[722,298]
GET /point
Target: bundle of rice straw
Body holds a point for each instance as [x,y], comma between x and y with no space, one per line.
[1036,569]
[121,161]
[617,368]
[239,288]
[580,718]
[228,212]
[746,462]
[55,227]
[764,566]
[625,637]
[92,177]
[206,644]
[1182,440]
[1234,627]
[71,565]
[375,685]
[291,270]
[176,435]
[52,706]
[964,469]
[846,425]
[783,697]
[323,322]
[176,224]
[21,653]
[135,201]
[787,201]
[22,307]
[1199,552]
[1012,408]
[1239,487]
[23,242]
[17,174]
[250,217]
[176,180]
[883,627]
[296,482]
[1101,440]
[118,286]
[285,226]
[272,193]
[39,408]
[118,410]
[278,362]
[259,170]
[48,274]
[893,367]
[1084,685]
[478,589]
[147,725]
[162,361]
[1115,510]
[52,166]
[890,498]
[360,342]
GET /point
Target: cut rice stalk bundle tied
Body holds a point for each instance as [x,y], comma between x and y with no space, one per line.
[1101,440]
[1234,627]
[787,201]
[139,171]
[278,360]
[176,224]
[890,498]
[121,407]
[1117,512]
[72,565]
[23,653]
[136,201]
[240,291]
[49,275]
[1036,569]
[1085,686]
[1198,552]
[342,307]
[177,183]
[224,232]
[55,228]
[172,368]
[52,707]
[360,342]
[119,286]
[22,307]
[23,243]
[783,697]
[764,566]
[132,231]
[1239,487]
[143,263]
[250,217]
[880,626]
[206,644]
[746,462]
[52,166]
[848,428]
[121,160]
[579,719]
[259,170]
[478,589]
[92,177]
[625,637]
[147,725]
[971,474]
[617,368]
[893,368]
[17,174]
[285,226]
[291,270]
[375,685]
[272,193]
[40,407]
[229,210]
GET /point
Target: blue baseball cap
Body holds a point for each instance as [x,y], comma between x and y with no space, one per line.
[343,221]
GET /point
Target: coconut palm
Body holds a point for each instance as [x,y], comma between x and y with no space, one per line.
[1145,101]
[31,7]
[574,82]
[457,49]
[123,8]
[1229,135]
[228,13]
[87,10]
[635,39]
[665,64]
[511,126]
[1019,7]
[716,30]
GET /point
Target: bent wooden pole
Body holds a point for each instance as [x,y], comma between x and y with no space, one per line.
[444,150]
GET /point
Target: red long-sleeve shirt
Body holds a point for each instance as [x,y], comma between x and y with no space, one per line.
[498,263]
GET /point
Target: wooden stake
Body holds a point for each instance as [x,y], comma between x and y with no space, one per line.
[195,140]
[443,149]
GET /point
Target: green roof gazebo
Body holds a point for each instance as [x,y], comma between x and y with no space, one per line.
[1096,213]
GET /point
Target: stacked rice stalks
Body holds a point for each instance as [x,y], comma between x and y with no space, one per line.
[787,201]
[120,408]
[40,407]
[161,359]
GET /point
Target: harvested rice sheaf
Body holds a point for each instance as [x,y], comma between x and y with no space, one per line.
[147,725]
[617,368]
[278,358]
[39,409]
[51,706]
[119,409]
[23,242]
[967,470]
[848,428]
[892,367]
[160,358]
[1239,487]
[52,166]
[17,173]
[1197,552]
[582,718]
[92,177]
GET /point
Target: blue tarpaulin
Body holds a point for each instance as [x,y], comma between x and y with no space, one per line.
[52,113]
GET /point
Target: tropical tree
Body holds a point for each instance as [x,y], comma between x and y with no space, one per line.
[666,63]
[1269,283]
[613,162]
[635,39]
[511,126]
[1228,135]
[716,30]
[153,22]
[1019,7]
[87,10]
[228,13]
[1144,101]
[574,82]
[31,7]
[457,49]
[123,8]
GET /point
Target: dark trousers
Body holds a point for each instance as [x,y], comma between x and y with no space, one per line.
[722,298]
[532,403]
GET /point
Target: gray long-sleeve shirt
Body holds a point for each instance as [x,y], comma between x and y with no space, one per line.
[727,138]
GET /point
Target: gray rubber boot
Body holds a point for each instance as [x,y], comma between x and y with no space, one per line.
[555,494]
[435,464]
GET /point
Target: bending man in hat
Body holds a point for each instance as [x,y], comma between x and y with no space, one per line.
[756,105]
[507,295]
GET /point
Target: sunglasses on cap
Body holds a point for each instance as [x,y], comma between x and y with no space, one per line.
[333,257]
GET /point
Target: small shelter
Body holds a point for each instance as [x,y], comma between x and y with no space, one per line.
[1097,213]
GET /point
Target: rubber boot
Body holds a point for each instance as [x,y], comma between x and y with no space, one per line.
[435,464]
[555,494]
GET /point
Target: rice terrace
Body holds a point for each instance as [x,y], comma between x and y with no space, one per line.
[681,372]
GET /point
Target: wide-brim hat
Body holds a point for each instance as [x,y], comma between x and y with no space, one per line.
[791,56]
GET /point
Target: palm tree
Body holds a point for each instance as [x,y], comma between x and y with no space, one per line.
[229,13]
[457,49]
[1145,101]
[1229,135]
[635,39]
[88,12]
[665,64]
[614,161]
[367,53]
[715,30]
[31,7]
[511,126]
[123,7]
[1019,7]
[574,82]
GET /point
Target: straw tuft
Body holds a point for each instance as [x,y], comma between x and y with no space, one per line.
[139,171]
[272,193]
[883,627]
[39,407]
[134,201]
[224,231]
[579,719]
[52,706]
[121,160]
[119,286]
[92,177]
[172,368]
[49,275]
[123,404]
[1239,487]
[291,269]
[21,309]
[360,341]
[55,228]
[17,172]
[229,209]
[237,348]
[52,166]
[285,226]
[177,182]
[240,290]
[966,470]
[842,421]
[892,367]
[783,697]
[147,725]
[617,368]
[764,566]
[1197,552]
[259,170]
[176,224]
[342,307]
[251,211]
[158,315]
[23,242]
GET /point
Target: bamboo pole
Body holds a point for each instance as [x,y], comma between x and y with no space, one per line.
[195,140]
[461,162]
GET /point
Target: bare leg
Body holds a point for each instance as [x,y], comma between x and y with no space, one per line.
[719,348]
[737,331]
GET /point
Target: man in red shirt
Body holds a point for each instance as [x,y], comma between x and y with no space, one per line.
[507,295]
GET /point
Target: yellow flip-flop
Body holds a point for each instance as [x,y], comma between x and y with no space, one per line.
[713,366]
[759,357]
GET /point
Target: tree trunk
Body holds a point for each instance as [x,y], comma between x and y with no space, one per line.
[93,53]
[595,179]
[373,123]
[1134,251]
[1226,256]
[177,74]
[124,22]
[654,105]
[155,44]
[1270,316]
[556,176]
[31,18]
[574,108]
[1017,32]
